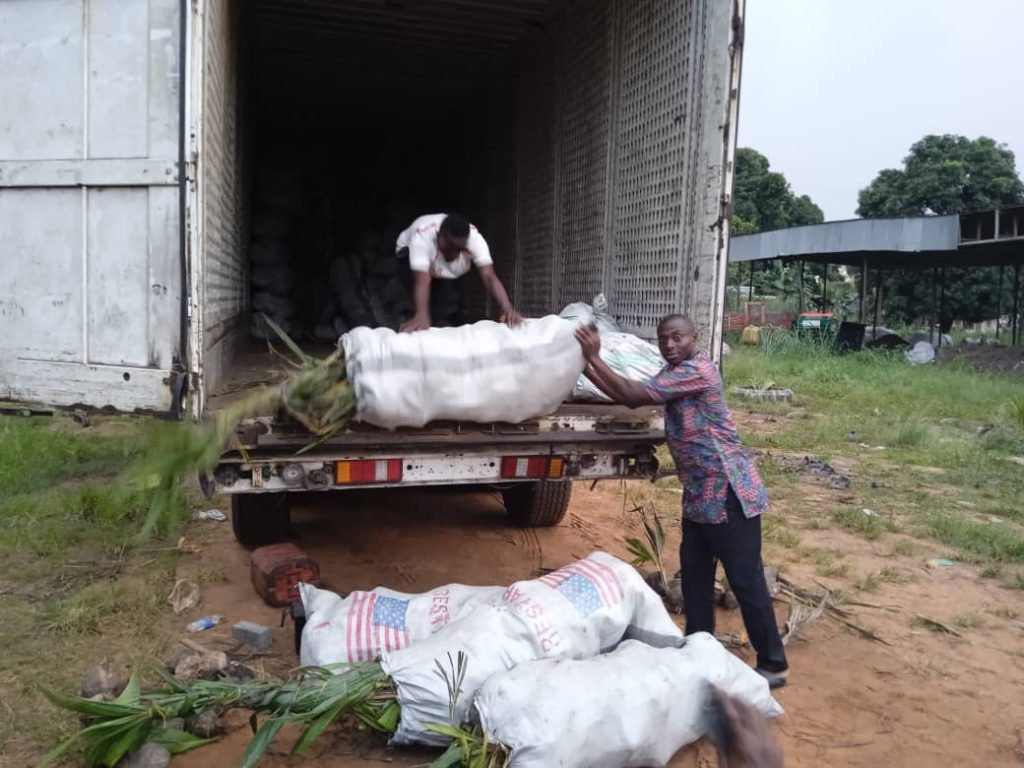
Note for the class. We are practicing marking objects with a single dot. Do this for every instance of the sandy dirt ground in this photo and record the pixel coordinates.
(920, 699)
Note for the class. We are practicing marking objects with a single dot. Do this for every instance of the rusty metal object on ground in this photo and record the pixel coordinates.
(277, 570)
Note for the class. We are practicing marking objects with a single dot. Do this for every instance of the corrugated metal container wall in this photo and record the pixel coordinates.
(90, 288)
(599, 161)
(621, 147)
(223, 269)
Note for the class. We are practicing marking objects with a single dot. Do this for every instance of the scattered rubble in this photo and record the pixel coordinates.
(184, 595)
(195, 665)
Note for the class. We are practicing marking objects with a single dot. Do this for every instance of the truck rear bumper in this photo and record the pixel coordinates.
(394, 467)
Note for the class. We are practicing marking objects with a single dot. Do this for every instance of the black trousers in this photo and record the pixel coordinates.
(737, 544)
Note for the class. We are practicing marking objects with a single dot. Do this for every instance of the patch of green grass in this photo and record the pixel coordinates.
(1016, 410)
(40, 452)
(869, 526)
(775, 533)
(828, 562)
(926, 418)
(994, 542)
(874, 384)
(78, 584)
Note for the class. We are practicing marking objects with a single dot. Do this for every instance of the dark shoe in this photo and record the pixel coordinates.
(775, 679)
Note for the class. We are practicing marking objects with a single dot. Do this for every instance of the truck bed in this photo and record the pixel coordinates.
(257, 365)
(571, 423)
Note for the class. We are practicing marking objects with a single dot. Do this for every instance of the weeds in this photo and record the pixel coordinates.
(870, 526)
(968, 621)
(903, 548)
(775, 533)
(887, 575)
(1016, 409)
(649, 552)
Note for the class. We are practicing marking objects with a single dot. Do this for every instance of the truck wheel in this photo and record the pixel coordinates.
(538, 505)
(260, 518)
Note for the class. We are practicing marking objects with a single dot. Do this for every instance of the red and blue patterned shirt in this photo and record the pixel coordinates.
(703, 441)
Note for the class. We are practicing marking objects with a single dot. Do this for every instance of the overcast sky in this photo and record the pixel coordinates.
(835, 90)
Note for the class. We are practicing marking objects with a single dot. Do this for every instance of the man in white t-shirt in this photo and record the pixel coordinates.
(445, 247)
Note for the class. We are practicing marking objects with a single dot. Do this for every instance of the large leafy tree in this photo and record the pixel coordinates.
(943, 175)
(763, 200)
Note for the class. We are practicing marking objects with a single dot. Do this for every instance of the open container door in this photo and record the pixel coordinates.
(91, 289)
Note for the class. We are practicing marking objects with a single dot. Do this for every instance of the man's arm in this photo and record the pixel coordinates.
(420, 250)
(420, 321)
(618, 388)
(493, 285)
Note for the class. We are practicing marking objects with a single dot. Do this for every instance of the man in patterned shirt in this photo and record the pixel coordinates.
(723, 496)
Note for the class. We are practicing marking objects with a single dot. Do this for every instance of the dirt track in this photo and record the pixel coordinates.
(922, 700)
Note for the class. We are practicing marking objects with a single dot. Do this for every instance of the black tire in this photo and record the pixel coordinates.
(260, 518)
(538, 505)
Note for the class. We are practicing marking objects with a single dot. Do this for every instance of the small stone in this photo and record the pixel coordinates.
(103, 679)
(147, 756)
(205, 725)
(175, 724)
(853, 437)
(258, 636)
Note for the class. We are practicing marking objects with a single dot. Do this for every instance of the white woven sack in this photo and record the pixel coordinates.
(482, 372)
(636, 706)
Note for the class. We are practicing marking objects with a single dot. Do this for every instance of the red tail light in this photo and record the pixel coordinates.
(538, 467)
(368, 471)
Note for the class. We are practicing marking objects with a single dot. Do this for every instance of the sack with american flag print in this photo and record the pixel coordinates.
(576, 612)
(362, 625)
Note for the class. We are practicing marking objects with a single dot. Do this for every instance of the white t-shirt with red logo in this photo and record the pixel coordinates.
(421, 240)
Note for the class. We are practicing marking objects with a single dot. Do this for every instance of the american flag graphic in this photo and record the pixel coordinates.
(375, 623)
(587, 584)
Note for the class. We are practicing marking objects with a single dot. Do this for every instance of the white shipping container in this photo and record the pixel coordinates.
(590, 140)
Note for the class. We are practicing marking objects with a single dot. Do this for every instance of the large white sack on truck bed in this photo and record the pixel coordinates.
(634, 707)
(362, 625)
(482, 372)
(574, 613)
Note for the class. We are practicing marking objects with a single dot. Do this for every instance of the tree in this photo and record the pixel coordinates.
(762, 198)
(943, 175)
(762, 201)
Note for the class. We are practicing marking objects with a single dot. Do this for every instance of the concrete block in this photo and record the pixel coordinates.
(256, 635)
